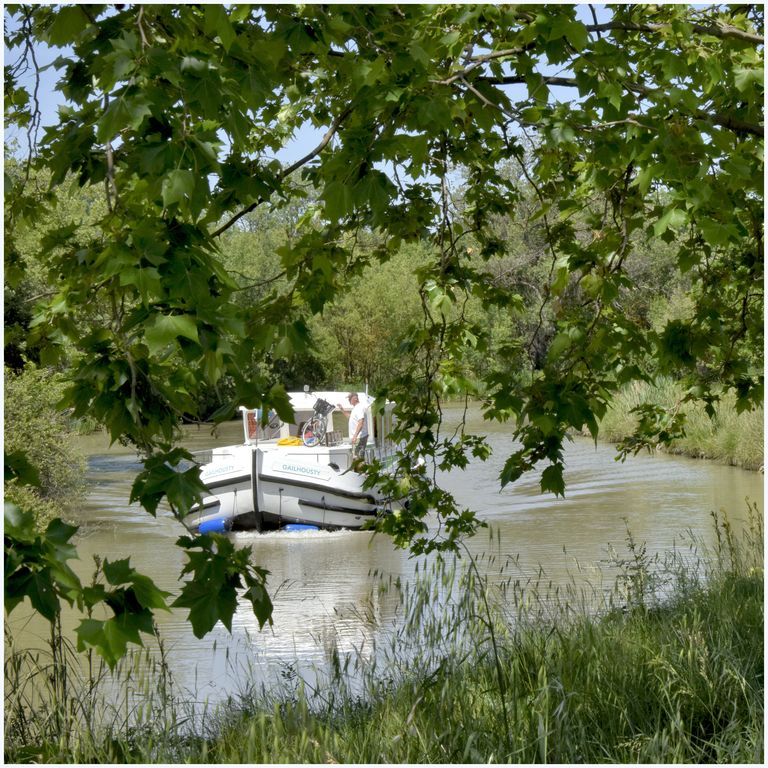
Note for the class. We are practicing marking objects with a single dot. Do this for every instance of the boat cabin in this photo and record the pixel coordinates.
(337, 434)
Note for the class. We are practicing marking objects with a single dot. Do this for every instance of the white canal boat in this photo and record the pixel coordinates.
(281, 476)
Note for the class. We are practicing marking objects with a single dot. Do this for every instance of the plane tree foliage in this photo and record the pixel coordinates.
(621, 123)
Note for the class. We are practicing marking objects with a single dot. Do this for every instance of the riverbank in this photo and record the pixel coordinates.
(665, 667)
(732, 438)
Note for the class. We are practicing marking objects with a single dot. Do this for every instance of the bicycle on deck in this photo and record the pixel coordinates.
(313, 432)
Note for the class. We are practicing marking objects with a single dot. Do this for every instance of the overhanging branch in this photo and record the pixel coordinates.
(724, 121)
(330, 133)
(718, 30)
(715, 30)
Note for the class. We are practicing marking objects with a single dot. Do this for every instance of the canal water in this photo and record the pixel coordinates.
(326, 587)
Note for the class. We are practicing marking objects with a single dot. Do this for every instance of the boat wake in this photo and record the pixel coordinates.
(284, 534)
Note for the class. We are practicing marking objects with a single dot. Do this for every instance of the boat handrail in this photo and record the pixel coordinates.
(206, 456)
(334, 437)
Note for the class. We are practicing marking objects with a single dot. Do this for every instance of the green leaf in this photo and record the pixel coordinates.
(148, 594)
(559, 344)
(161, 480)
(164, 330)
(90, 633)
(123, 112)
(110, 638)
(58, 532)
(39, 587)
(645, 177)
(716, 233)
(177, 186)
(207, 92)
(68, 22)
(339, 201)
(673, 218)
(146, 280)
(261, 603)
(183, 489)
(219, 570)
(209, 601)
(552, 480)
(531, 115)
(747, 78)
(217, 23)
(118, 571)
(419, 54)
(18, 524)
(577, 35)
(18, 466)
(513, 469)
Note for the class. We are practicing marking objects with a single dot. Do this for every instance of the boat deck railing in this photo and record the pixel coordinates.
(206, 456)
(203, 457)
(334, 437)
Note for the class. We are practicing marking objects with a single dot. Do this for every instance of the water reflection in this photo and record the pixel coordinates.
(325, 586)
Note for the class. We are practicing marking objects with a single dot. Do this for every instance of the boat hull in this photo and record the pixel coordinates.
(297, 502)
(254, 488)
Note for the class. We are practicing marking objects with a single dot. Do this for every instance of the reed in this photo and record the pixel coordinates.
(729, 438)
(62, 706)
(651, 659)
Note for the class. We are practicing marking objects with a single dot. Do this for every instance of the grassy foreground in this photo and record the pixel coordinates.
(664, 666)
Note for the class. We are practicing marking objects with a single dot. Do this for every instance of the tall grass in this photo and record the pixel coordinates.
(653, 659)
(729, 438)
(65, 707)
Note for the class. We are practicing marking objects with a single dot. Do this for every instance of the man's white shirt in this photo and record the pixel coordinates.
(358, 412)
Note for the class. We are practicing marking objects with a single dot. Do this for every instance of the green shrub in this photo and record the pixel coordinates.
(34, 426)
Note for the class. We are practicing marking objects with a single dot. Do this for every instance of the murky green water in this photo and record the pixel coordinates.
(325, 584)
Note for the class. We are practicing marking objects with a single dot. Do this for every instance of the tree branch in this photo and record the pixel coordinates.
(724, 121)
(478, 62)
(719, 30)
(731, 123)
(716, 30)
(330, 133)
(566, 82)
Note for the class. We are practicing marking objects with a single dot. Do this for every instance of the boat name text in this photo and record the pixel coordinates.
(218, 470)
(301, 469)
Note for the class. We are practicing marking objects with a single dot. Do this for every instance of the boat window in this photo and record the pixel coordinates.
(253, 428)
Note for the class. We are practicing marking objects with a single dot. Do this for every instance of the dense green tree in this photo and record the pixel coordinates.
(646, 118)
(359, 333)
